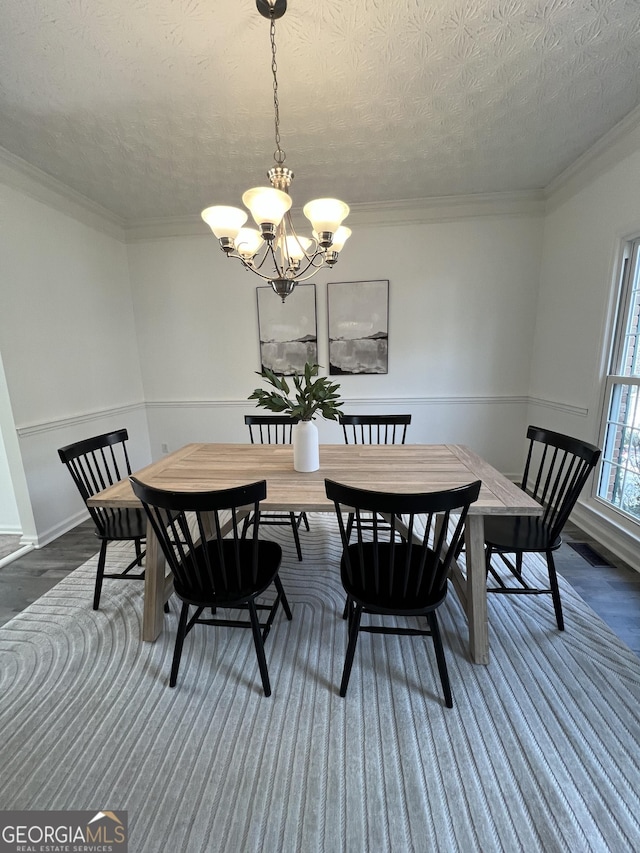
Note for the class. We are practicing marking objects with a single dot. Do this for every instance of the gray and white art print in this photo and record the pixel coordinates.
(288, 330)
(358, 327)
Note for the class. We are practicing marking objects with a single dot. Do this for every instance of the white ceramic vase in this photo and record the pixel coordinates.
(306, 455)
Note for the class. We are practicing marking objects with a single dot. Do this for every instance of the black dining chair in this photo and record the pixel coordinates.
(275, 429)
(94, 464)
(374, 429)
(400, 568)
(556, 469)
(212, 564)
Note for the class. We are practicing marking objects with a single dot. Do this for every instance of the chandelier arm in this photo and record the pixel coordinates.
(256, 270)
(278, 268)
(308, 254)
(303, 277)
(256, 267)
(300, 275)
(261, 262)
(310, 263)
(252, 266)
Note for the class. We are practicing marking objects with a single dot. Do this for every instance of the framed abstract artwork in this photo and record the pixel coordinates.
(287, 330)
(358, 327)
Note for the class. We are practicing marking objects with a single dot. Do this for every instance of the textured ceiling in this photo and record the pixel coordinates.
(158, 108)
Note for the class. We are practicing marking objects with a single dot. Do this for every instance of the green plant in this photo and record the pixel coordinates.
(313, 395)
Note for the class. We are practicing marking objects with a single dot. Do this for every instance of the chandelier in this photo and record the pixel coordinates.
(274, 250)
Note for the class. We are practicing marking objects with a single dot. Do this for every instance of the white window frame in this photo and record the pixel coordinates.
(629, 272)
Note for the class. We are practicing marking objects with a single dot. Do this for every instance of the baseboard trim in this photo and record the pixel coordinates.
(63, 527)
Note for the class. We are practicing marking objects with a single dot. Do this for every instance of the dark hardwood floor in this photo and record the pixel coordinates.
(613, 591)
(30, 576)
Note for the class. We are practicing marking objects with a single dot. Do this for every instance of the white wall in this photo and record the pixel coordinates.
(462, 297)
(9, 517)
(584, 231)
(15, 484)
(68, 344)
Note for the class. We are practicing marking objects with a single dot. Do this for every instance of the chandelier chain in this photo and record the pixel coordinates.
(278, 155)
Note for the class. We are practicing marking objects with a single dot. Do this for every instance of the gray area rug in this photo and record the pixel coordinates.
(540, 751)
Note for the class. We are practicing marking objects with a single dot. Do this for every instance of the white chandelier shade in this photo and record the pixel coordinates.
(340, 238)
(225, 222)
(267, 205)
(326, 215)
(247, 242)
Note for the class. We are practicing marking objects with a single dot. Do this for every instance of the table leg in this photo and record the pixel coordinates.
(476, 589)
(154, 588)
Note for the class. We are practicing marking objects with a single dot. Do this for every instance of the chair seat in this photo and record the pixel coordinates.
(124, 524)
(391, 597)
(240, 586)
(518, 533)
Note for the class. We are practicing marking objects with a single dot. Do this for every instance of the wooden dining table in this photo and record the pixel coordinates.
(389, 468)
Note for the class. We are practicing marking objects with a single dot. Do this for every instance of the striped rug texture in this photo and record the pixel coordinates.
(539, 753)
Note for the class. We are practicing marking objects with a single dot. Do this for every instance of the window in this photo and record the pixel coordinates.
(619, 484)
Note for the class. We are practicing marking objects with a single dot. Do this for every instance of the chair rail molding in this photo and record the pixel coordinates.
(81, 418)
(354, 401)
(461, 399)
(458, 400)
(568, 408)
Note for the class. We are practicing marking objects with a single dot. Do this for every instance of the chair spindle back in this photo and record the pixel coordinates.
(191, 529)
(375, 429)
(556, 469)
(270, 429)
(405, 543)
(95, 464)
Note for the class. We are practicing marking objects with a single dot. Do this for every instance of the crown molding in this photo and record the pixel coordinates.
(619, 142)
(622, 140)
(449, 208)
(402, 212)
(22, 176)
